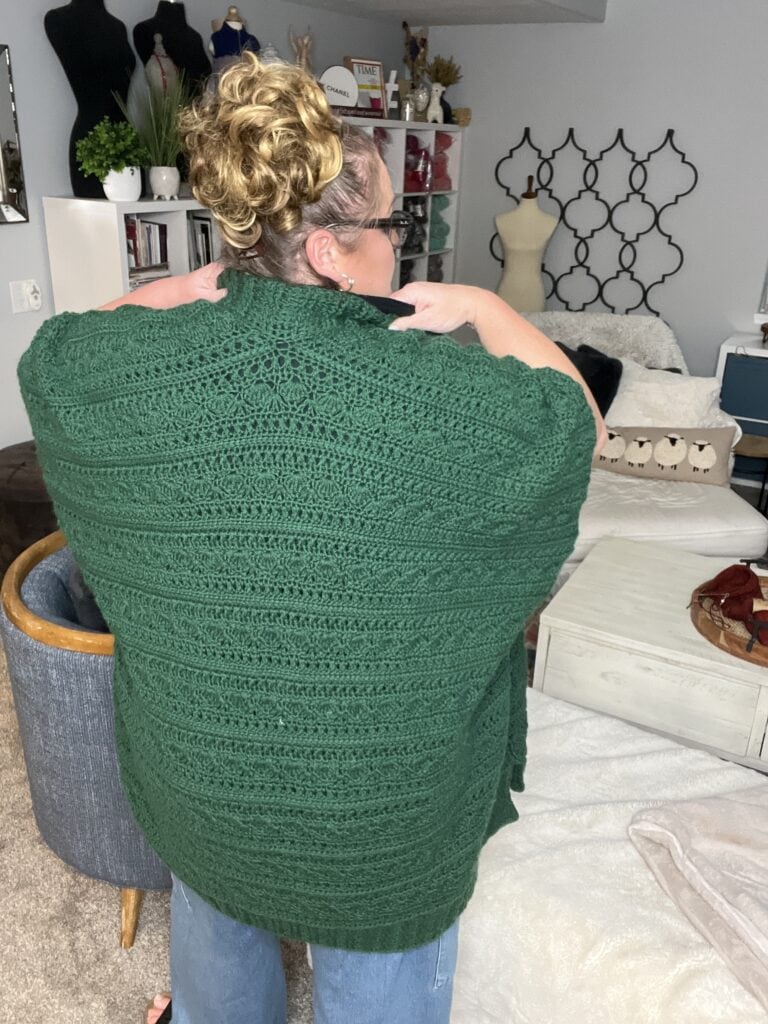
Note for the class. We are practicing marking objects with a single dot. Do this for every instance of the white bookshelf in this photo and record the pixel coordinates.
(88, 244)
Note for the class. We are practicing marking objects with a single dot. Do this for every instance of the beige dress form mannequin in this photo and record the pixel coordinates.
(524, 233)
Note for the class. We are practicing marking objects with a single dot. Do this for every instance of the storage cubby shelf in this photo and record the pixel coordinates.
(99, 249)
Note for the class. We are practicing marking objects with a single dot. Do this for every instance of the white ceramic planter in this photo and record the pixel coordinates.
(123, 186)
(164, 182)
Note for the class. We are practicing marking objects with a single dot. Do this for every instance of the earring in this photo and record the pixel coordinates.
(349, 283)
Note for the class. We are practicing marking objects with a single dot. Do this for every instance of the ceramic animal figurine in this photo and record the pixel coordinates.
(435, 110)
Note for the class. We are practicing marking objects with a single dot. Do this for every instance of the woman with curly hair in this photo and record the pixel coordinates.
(316, 527)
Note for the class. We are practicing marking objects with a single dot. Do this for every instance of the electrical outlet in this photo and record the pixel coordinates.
(26, 296)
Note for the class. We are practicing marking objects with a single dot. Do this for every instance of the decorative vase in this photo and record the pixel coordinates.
(164, 182)
(270, 54)
(123, 186)
(420, 94)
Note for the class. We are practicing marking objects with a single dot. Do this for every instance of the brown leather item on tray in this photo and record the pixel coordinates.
(731, 611)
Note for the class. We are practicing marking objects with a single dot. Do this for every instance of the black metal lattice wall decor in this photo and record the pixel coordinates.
(613, 245)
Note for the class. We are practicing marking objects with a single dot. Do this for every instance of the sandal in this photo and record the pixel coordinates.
(165, 1014)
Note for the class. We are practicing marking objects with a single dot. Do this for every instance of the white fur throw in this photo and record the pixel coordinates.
(646, 339)
(711, 857)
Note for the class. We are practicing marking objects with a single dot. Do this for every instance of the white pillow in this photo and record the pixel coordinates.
(658, 398)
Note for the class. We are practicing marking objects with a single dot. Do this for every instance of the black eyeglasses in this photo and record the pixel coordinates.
(396, 227)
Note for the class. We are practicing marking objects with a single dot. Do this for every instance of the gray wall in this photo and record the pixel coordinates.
(47, 109)
(697, 66)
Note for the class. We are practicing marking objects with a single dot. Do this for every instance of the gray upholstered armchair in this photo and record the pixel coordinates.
(61, 677)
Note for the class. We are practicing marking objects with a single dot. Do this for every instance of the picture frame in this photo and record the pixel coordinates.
(372, 96)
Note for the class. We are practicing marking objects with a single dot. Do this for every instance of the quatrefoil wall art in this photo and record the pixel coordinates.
(613, 245)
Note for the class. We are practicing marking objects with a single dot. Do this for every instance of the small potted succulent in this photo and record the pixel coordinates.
(112, 152)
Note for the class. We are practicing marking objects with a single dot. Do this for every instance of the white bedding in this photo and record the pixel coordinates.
(567, 924)
(694, 517)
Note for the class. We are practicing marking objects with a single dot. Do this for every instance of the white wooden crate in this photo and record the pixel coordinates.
(618, 638)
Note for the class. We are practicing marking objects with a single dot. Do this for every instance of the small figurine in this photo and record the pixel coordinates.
(301, 47)
(447, 72)
(392, 88)
(435, 110)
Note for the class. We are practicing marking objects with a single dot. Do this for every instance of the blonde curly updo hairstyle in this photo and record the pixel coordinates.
(272, 163)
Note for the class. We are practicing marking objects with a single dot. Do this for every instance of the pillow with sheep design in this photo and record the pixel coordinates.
(686, 454)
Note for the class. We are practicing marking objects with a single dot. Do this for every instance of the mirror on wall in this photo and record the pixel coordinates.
(13, 198)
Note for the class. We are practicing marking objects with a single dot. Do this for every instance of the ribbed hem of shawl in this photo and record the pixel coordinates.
(375, 938)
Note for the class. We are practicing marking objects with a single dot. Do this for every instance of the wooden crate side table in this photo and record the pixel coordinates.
(618, 638)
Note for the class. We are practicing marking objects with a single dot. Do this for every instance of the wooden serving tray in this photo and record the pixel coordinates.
(729, 635)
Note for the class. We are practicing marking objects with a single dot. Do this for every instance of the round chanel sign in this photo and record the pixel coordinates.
(340, 86)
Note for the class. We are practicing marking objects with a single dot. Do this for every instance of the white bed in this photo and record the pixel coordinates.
(663, 511)
(696, 517)
(567, 924)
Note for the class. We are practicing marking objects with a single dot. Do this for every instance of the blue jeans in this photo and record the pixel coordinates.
(225, 972)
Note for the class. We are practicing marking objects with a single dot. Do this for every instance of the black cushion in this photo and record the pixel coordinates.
(601, 373)
(86, 611)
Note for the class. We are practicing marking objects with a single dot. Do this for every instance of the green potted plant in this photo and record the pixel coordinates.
(112, 152)
(156, 120)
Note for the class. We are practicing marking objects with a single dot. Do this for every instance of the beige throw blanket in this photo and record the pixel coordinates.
(711, 857)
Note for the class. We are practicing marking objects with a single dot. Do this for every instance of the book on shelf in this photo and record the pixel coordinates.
(131, 241)
(146, 241)
(200, 240)
(140, 277)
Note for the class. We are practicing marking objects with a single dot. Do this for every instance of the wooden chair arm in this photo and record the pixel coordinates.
(33, 625)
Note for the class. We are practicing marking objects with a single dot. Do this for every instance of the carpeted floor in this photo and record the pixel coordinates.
(61, 958)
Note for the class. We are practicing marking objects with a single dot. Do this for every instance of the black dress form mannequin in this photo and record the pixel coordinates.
(97, 58)
(182, 44)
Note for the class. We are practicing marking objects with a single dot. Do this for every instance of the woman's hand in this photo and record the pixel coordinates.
(202, 284)
(439, 307)
(168, 292)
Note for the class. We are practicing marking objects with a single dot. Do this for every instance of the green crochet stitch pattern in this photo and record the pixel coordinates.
(317, 542)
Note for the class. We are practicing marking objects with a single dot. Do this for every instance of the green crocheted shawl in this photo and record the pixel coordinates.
(316, 542)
